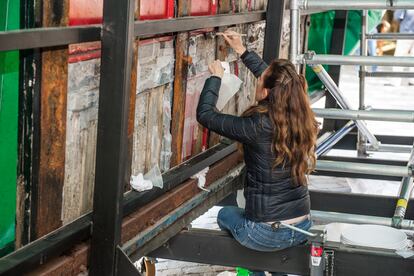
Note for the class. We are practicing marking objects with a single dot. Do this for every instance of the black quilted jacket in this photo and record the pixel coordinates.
(270, 195)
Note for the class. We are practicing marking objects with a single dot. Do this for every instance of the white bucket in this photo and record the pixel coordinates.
(377, 236)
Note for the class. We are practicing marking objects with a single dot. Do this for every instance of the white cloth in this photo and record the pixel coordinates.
(140, 184)
(201, 177)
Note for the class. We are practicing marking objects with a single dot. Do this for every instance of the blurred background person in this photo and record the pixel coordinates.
(404, 47)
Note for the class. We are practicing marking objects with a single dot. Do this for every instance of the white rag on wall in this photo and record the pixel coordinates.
(201, 177)
(140, 184)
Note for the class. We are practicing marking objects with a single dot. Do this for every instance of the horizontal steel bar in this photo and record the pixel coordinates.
(389, 74)
(357, 219)
(356, 4)
(353, 203)
(356, 60)
(189, 23)
(178, 175)
(59, 36)
(390, 36)
(370, 115)
(391, 148)
(349, 141)
(220, 248)
(362, 168)
(65, 237)
(48, 37)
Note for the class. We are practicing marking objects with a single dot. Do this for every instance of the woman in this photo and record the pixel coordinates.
(278, 137)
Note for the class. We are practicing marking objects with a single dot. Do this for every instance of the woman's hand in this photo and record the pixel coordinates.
(216, 69)
(234, 40)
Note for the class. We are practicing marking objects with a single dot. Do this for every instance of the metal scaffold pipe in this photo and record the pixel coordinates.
(406, 190)
(329, 142)
(356, 4)
(310, 58)
(390, 148)
(390, 36)
(363, 168)
(294, 31)
(322, 216)
(342, 101)
(370, 115)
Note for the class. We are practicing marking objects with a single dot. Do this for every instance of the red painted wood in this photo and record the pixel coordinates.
(85, 12)
(203, 7)
(150, 9)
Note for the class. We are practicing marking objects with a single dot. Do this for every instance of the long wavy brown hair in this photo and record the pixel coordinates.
(295, 126)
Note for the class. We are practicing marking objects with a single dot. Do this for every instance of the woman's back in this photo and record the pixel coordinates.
(270, 193)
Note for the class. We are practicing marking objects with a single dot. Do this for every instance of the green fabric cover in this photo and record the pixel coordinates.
(320, 33)
(9, 91)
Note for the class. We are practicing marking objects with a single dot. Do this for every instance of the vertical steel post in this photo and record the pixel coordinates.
(112, 140)
(362, 141)
(274, 30)
(294, 32)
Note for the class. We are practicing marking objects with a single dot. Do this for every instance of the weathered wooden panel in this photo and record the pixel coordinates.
(48, 196)
(202, 53)
(140, 133)
(82, 119)
(155, 127)
(155, 63)
(76, 260)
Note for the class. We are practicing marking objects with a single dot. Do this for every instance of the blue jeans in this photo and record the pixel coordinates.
(259, 236)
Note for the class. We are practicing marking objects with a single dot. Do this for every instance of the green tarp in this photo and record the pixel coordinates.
(9, 91)
(320, 33)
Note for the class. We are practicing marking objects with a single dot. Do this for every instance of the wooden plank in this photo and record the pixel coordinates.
(81, 125)
(75, 261)
(180, 82)
(132, 106)
(140, 133)
(155, 127)
(48, 198)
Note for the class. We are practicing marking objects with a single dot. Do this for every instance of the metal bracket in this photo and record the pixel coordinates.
(124, 266)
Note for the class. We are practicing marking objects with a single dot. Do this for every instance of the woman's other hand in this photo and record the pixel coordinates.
(216, 69)
(234, 40)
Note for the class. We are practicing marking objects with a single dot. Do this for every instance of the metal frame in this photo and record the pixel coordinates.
(51, 37)
(118, 30)
(190, 246)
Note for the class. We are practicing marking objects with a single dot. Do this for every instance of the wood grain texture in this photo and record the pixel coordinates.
(155, 127)
(140, 133)
(180, 83)
(75, 261)
(82, 120)
(48, 198)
